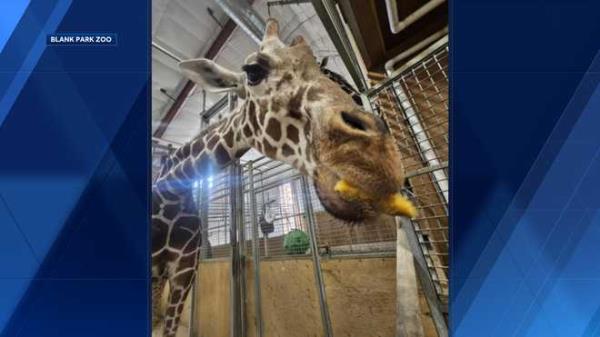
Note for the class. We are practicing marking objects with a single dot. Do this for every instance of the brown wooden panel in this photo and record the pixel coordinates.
(362, 297)
(213, 298)
(361, 293)
(290, 305)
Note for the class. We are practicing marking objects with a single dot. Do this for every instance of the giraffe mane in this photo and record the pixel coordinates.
(345, 85)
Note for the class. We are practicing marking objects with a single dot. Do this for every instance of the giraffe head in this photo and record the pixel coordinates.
(297, 114)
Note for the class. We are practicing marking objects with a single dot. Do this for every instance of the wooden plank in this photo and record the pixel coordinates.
(361, 293)
(290, 304)
(408, 320)
(213, 298)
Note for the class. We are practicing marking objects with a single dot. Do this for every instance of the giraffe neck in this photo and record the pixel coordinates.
(212, 149)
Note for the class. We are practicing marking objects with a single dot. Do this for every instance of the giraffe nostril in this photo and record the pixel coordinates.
(353, 121)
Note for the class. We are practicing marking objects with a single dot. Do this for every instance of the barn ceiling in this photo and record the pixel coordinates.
(185, 28)
(368, 22)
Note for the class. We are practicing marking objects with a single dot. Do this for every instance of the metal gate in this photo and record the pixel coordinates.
(414, 103)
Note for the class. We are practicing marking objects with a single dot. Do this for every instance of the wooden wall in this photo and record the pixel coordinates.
(360, 293)
(213, 298)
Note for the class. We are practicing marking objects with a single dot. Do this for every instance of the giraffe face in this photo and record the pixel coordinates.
(296, 114)
(337, 140)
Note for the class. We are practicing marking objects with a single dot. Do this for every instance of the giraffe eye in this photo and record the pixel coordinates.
(255, 72)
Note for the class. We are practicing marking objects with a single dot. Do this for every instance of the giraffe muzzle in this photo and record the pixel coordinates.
(394, 204)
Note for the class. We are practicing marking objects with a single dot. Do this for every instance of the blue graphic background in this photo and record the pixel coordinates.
(525, 168)
(12, 11)
(74, 172)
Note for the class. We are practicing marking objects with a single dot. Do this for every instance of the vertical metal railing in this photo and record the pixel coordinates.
(314, 248)
(237, 265)
(255, 252)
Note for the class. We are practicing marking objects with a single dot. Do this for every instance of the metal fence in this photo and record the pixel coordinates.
(414, 103)
(280, 209)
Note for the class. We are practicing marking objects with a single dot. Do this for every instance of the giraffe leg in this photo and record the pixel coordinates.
(179, 287)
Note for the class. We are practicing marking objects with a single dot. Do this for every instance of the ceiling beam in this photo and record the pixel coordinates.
(212, 52)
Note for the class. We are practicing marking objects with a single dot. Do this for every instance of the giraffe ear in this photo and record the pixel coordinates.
(211, 76)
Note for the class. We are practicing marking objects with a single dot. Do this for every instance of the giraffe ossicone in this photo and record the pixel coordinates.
(292, 111)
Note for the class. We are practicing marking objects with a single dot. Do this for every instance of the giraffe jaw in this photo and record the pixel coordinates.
(395, 204)
(346, 201)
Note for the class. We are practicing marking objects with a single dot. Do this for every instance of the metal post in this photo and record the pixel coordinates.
(203, 254)
(262, 197)
(255, 254)
(316, 258)
(193, 332)
(327, 12)
(366, 102)
(408, 319)
(236, 215)
(420, 265)
(245, 16)
(238, 284)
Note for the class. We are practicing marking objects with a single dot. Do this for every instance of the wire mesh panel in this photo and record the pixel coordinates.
(414, 104)
(281, 209)
(215, 209)
(337, 237)
(278, 207)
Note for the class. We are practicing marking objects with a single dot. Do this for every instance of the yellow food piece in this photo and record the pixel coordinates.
(395, 204)
(348, 191)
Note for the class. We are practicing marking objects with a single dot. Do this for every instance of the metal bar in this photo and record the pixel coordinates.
(328, 332)
(193, 331)
(286, 2)
(389, 65)
(215, 108)
(166, 51)
(242, 251)
(204, 197)
(255, 255)
(245, 16)
(335, 28)
(408, 320)
(366, 103)
(236, 322)
(428, 169)
(435, 305)
(441, 43)
(204, 254)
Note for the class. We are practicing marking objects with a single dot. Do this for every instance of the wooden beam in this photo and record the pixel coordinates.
(212, 52)
(408, 319)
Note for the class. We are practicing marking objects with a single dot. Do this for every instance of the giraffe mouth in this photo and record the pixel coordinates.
(392, 204)
(346, 201)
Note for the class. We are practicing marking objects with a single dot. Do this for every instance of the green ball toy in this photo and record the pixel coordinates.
(296, 242)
